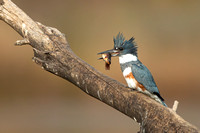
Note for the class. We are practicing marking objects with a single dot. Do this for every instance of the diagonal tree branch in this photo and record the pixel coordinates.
(53, 53)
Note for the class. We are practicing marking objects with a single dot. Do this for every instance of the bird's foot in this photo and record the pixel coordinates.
(131, 89)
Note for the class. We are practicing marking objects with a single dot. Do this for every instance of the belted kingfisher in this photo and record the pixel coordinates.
(135, 73)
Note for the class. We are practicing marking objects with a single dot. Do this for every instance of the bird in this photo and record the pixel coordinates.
(136, 74)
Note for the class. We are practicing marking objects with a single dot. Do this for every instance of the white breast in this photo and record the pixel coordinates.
(127, 58)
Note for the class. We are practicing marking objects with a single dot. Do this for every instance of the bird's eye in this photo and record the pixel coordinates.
(120, 48)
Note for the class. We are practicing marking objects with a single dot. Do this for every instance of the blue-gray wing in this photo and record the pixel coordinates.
(144, 77)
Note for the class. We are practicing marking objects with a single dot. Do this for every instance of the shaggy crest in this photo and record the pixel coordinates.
(128, 45)
(119, 40)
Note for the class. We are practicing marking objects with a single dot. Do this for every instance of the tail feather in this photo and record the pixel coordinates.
(161, 99)
(164, 103)
(156, 96)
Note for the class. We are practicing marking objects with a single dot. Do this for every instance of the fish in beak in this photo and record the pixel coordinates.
(106, 56)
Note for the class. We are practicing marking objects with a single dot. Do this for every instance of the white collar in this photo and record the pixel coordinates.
(127, 58)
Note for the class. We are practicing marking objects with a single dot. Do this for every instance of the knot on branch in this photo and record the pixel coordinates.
(54, 35)
(46, 60)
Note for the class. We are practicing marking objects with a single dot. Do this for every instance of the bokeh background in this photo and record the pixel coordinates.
(167, 33)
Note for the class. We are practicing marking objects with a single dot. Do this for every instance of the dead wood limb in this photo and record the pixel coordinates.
(53, 53)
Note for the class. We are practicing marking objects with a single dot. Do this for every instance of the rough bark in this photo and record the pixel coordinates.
(53, 53)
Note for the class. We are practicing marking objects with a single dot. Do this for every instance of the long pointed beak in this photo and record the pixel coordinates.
(113, 52)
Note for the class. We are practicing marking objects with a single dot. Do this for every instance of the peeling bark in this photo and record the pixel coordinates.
(53, 53)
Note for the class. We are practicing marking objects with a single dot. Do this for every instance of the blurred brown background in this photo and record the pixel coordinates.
(168, 35)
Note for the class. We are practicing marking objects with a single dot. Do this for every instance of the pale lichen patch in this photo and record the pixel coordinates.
(86, 90)
(99, 95)
(134, 119)
(24, 30)
(72, 75)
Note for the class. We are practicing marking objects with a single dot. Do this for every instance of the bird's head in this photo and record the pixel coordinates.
(122, 46)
